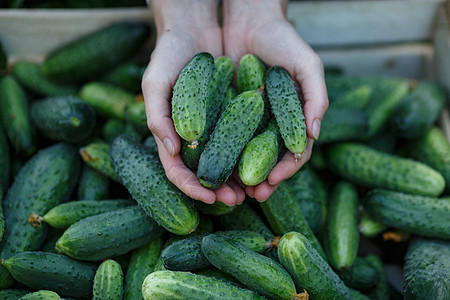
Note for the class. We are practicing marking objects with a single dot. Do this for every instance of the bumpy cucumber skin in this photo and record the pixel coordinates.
(109, 234)
(215, 209)
(251, 73)
(190, 95)
(59, 273)
(229, 96)
(164, 285)
(95, 53)
(108, 281)
(4, 164)
(234, 129)
(218, 274)
(41, 295)
(97, 156)
(417, 112)
(127, 75)
(343, 125)
(66, 214)
(254, 270)
(284, 214)
(425, 216)
(12, 294)
(369, 227)
(381, 290)
(15, 118)
(287, 109)
(426, 270)
(29, 74)
(308, 269)
(144, 177)
(361, 275)
(373, 168)
(341, 236)
(92, 185)
(142, 263)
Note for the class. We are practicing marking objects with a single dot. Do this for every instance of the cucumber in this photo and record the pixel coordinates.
(59, 273)
(384, 141)
(308, 269)
(97, 156)
(30, 75)
(370, 228)
(341, 235)
(92, 185)
(287, 110)
(15, 118)
(284, 215)
(216, 273)
(4, 164)
(66, 214)
(151, 146)
(41, 295)
(357, 295)
(107, 100)
(50, 242)
(381, 290)
(127, 75)
(237, 124)
(251, 73)
(189, 98)
(426, 216)
(144, 177)
(136, 116)
(164, 285)
(93, 54)
(361, 275)
(112, 128)
(12, 294)
(373, 168)
(3, 58)
(108, 281)
(6, 280)
(229, 96)
(259, 273)
(63, 118)
(426, 270)
(355, 98)
(142, 263)
(215, 209)
(418, 111)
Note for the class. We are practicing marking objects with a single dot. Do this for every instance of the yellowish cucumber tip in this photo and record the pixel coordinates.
(193, 145)
(205, 183)
(302, 296)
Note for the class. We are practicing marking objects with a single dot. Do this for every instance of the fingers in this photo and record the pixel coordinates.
(262, 191)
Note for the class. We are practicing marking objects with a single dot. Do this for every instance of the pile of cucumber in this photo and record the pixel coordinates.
(88, 213)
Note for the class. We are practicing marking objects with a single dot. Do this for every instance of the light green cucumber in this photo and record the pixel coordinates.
(229, 96)
(135, 115)
(215, 209)
(41, 295)
(251, 73)
(92, 185)
(369, 227)
(355, 98)
(108, 281)
(97, 156)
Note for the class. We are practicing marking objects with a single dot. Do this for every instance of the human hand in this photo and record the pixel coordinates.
(259, 27)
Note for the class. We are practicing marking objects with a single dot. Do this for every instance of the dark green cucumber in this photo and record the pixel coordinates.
(215, 209)
(142, 263)
(3, 58)
(369, 227)
(426, 216)
(361, 275)
(284, 215)
(418, 111)
(426, 270)
(15, 118)
(30, 75)
(50, 242)
(107, 100)
(136, 116)
(357, 295)
(229, 96)
(234, 129)
(164, 285)
(109, 234)
(93, 54)
(12, 294)
(251, 73)
(381, 289)
(63, 118)
(112, 128)
(189, 98)
(287, 109)
(308, 269)
(97, 156)
(59, 273)
(108, 281)
(127, 76)
(144, 177)
(66, 214)
(41, 295)
(373, 168)
(355, 98)
(340, 124)
(4, 164)
(92, 185)
(341, 235)
(218, 274)
(384, 141)
(254, 270)
(6, 280)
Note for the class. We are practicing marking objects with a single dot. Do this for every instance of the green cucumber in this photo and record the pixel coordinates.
(361, 275)
(59, 273)
(4, 164)
(66, 214)
(144, 177)
(12, 294)
(92, 185)
(63, 118)
(381, 289)
(287, 110)
(142, 263)
(254, 270)
(50, 242)
(308, 269)
(355, 98)
(216, 273)
(215, 209)
(30, 75)
(108, 234)
(189, 98)
(112, 128)
(341, 236)
(136, 116)
(343, 125)
(234, 129)
(357, 295)
(421, 215)
(93, 54)
(369, 227)
(41, 295)
(97, 156)
(251, 73)
(108, 281)
(15, 118)
(384, 141)
(6, 280)
(162, 285)
(284, 214)
(229, 96)
(373, 168)
(418, 111)
(426, 270)
(127, 75)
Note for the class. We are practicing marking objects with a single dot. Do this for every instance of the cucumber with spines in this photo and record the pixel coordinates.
(41, 295)
(229, 96)
(92, 185)
(12, 294)
(251, 73)
(108, 281)
(97, 156)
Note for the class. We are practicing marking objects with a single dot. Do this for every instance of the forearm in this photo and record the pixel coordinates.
(249, 10)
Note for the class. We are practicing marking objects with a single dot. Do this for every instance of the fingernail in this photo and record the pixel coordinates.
(316, 129)
(169, 146)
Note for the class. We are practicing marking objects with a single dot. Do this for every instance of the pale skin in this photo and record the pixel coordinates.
(186, 28)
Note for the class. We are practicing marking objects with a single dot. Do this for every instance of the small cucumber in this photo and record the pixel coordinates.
(287, 109)
(259, 273)
(251, 73)
(112, 128)
(92, 185)
(234, 129)
(136, 116)
(355, 98)
(12, 294)
(127, 75)
(229, 96)
(369, 227)
(426, 216)
(381, 289)
(361, 275)
(215, 209)
(108, 281)
(97, 156)
(308, 269)
(4, 164)
(41, 295)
